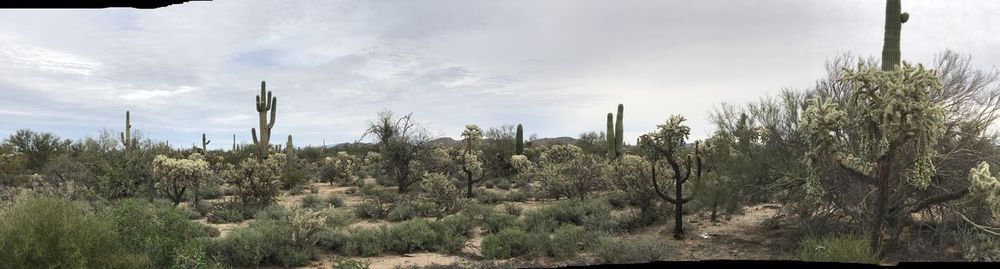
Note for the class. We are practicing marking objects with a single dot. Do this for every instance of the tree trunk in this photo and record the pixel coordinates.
(679, 208)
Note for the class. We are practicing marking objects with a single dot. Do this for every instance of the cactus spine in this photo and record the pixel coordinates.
(894, 19)
(611, 136)
(619, 133)
(519, 149)
(128, 141)
(265, 103)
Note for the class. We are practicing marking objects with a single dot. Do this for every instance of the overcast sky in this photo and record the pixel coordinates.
(558, 67)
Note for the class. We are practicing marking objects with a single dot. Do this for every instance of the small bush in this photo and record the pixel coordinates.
(263, 242)
(351, 264)
(371, 208)
(226, 215)
(335, 201)
(846, 249)
(202, 207)
(499, 221)
(567, 241)
(210, 191)
(490, 197)
(619, 250)
(365, 242)
(514, 242)
(156, 230)
(296, 190)
(518, 196)
(332, 239)
(46, 232)
(273, 212)
(476, 211)
(513, 210)
(459, 224)
(402, 210)
(312, 201)
(313, 189)
(411, 235)
(193, 254)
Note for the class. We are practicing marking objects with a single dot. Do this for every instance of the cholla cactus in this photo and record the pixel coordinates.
(631, 176)
(257, 181)
(177, 175)
(896, 125)
(342, 166)
(472, 167)
(520, 163)
(664, 144)
(985, 186)
(307, 224)
(438, 188)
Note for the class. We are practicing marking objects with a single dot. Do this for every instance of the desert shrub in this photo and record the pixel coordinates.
(228, 191)
(339, 218)
(190, 213)
(263, 242)
(273, 212)
(297, 189)
(477, 212)
(202, 207)
(313, 189)
(513, 210)
(403, 209)
(193, 254)
(567, 240)
(631, 219)
(156, 230)
(347, 263)
(490, 197)
(210, 190)
(332, 239)
(832, 248)
(48, 232)
(506, 243)
(311, 201)
(503, 184)
(620, 250)
(335, 201)
(226, 214)
(365, 242)
(980, 247)
(517, 196)
(594, 214)
(458, 224)
(411, 235)
(442, 192)
(296, 173)
(499, 221)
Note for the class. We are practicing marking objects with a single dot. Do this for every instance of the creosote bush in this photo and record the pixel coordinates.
(845, 249)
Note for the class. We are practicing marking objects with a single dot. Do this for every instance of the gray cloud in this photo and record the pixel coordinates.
(556, 66)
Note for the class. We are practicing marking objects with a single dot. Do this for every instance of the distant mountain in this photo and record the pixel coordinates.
(565, 140)
(446, 141)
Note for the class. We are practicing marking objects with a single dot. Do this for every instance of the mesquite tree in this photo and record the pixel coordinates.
(470, 163)
(665, 144)
(177, 175)
(400, 142)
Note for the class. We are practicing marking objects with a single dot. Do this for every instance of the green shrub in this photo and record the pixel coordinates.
(567, 241)
(518, 196)
(190, 213)
(594, 214)
(499, 221)
(297, 189)
(226, 215)
(263, 242)
(490, 197)
(513, 242)
(312, 201)
(156, 230)
(402, 210)
(415, 234)
(273, 212)
(346, 263)
(620, 250)
(980, 246)
(365, 242)
(458, 224)
(370, 208)
(202, 207)
(210, 191)
(477, 212)
(513, 210)
(313, 189)
(47, 232)
(193, 254)
(846, 249)
(332, 239)
(335, 201)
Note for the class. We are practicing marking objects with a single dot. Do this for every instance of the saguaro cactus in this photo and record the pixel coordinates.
(611, 136)
(128, 141)
(663, 144)
(289, 147)
(894, 19)
(234, 142)
(264, 103)
(519, 148)
(204, 144)
(619, 132)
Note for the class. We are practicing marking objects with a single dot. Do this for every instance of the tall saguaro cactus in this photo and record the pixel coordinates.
(265, 103)
(519, 148)
(128, 141)
(611, 136)
(204, 144)
(619, 133)
(663, 144)
(894, 19)
(289, 147)
(234, 142)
